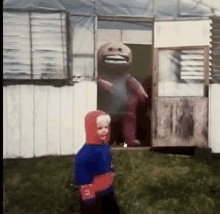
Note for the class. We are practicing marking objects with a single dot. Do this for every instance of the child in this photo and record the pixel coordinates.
(93, 167)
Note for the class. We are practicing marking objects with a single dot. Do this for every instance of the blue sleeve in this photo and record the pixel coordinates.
(82, 175)
(84, 172)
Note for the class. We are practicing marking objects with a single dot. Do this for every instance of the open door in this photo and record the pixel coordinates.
(180, 82)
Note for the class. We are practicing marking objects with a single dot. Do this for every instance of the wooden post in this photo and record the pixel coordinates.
(206, 82)
(68, 47)
(154, 93)
(31, 53)
(155, 8)
(206, 71)
(178, 8)
(61, 30)
(95, 75)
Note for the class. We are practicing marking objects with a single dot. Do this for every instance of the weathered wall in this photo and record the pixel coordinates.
(181, 122)
(45, 120)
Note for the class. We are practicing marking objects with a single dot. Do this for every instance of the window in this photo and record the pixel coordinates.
(83, 47)
(34, 45)
(181, 72)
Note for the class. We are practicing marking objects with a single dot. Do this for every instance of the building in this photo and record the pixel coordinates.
(50, 70)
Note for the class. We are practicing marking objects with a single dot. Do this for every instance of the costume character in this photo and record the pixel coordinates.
(119, 92)
(94, 171)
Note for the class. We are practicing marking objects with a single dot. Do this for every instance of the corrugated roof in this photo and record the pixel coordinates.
(121, 7)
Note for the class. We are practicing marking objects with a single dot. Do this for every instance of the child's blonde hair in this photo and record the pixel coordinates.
(105, 117)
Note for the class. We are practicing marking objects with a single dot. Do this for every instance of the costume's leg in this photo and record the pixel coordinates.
(129, 127)
(129, 124)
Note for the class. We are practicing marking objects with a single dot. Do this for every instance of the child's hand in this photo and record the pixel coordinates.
(87, 192)
(103, 182)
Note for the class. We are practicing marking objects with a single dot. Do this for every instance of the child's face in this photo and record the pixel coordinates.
(102, 129)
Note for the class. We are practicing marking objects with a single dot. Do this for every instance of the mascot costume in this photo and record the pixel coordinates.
(119, 92)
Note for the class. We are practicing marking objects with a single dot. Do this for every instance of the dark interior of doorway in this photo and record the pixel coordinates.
(142, 70)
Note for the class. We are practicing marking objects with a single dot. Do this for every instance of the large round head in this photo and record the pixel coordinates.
(114, 57)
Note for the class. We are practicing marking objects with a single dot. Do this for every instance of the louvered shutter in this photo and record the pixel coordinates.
(34, 46)
(192, 65)
(16, 46)
(83, 47)
(49, 45)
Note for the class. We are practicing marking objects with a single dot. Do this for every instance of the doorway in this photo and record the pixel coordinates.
(142, 70)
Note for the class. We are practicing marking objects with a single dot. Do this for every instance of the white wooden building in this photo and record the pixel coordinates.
(50, 70)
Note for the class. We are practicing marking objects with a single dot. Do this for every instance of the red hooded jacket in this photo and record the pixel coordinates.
(92, 176)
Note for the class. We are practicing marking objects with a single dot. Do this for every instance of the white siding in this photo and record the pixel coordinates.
(27, 119)
(67, 117)
(5, 119)
(214, 118)
(46, 120)
(91, 94)
(14, 121)
(53, 117)
(79, 108)
(40, 120)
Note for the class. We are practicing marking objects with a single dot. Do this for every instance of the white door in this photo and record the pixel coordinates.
(180, 82)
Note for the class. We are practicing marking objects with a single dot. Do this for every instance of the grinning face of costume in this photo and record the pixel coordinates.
(114, 57)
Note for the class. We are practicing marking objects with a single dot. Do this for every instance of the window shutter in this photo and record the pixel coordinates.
(83, 46)
(192, 65)
(49, 45)
(16, 46)
(34, 45)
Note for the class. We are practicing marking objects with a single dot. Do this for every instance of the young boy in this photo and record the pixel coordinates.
(93, 167)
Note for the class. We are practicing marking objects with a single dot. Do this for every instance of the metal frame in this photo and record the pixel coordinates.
(139, 20)
(34, 10)
(95, 74)
(31, 46)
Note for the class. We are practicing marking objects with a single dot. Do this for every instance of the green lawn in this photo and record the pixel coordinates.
(144, 183)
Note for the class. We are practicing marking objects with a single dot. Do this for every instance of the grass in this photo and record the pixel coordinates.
(144, 183)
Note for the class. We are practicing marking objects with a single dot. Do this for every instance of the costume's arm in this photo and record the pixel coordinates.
(105, 85)
(137, 88)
